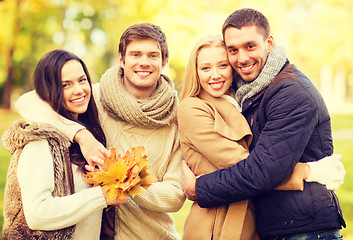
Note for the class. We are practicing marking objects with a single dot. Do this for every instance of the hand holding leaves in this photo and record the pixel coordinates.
(121, 176)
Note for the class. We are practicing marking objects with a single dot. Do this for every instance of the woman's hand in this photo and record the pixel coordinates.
(92, 150)
(113, 201)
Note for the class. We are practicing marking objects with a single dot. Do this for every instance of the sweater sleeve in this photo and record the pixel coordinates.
(166, 195)
(291, 118)
(42, 210)
(31, 107)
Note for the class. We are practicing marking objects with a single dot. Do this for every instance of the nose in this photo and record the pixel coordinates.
(78, 88)
(242, 57)
(144, 61)
(215, 75)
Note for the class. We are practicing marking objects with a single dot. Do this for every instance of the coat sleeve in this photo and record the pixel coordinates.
(205, 142)
(31, 107)
(36, 179)
(291, 115)
(206, 146)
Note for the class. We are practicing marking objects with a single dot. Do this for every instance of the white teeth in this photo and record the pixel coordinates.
(246, 68)
(143, 74)
(217, 85)
(78, 100)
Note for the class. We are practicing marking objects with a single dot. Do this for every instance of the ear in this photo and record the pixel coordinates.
(164, 65)
(122, 64)
(270, 43)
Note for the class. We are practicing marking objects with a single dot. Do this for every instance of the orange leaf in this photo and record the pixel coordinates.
(121, 176)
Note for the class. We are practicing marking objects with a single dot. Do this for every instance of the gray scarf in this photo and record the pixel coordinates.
(274, 63)
(156, 111)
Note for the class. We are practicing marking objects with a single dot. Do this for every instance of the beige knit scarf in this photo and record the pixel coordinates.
(156, 111)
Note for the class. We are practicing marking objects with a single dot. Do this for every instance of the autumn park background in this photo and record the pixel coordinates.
(317, 34)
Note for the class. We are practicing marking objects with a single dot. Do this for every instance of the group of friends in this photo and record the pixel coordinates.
(249, 142)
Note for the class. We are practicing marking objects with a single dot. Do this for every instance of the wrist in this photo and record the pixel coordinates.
(307, 172)
(80, 135)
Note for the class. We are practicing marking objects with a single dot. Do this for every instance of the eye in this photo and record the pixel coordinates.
(154, 56)
(135, 55)
(83, 80)
(251, 46)
(205, 68)
(232, 51)
(224, 65)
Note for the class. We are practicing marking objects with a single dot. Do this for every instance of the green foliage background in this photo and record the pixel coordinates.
(316, 33)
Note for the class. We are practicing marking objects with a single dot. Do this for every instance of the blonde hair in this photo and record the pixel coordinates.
(191, 84)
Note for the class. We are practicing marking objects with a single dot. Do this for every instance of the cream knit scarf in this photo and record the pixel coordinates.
(274, 63)
(156, 111)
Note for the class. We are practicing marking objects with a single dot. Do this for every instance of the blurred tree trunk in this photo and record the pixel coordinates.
(10, 63)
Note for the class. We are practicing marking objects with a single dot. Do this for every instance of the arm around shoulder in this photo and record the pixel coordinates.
(31, 107)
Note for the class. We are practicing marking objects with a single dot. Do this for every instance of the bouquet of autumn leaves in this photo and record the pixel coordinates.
(120, 176)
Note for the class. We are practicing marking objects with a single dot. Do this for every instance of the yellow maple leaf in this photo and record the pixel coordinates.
(121, 176)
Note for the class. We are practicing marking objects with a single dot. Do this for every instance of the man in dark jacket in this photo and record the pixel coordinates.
(290, 124)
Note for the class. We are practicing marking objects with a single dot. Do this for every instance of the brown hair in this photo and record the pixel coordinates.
(48, 85)
(247, 17)
(144, 31)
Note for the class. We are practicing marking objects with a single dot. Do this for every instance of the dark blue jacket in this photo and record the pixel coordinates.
(290, 124)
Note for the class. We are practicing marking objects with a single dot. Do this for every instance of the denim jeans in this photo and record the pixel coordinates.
(322, 235)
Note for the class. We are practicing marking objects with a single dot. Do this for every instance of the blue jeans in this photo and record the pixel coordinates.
(322, 235)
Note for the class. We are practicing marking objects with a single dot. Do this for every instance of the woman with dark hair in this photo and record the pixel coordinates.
(45, 195)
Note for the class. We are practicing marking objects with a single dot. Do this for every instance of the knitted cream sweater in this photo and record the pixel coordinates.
(146, 216)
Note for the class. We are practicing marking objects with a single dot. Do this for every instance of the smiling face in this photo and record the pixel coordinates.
(214, 70)
(142, 67)
(76, 88)
(247, 50)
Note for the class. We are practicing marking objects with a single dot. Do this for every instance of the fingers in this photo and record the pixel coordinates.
(97, 160)
(336, 156)
(188, 181)
(89, 168)
(105, 152)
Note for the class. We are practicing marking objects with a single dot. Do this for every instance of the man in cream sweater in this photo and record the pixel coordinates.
(137, 106)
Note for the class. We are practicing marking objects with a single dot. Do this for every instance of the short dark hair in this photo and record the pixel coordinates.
(48, 85)
(247, 17)
(144, 31)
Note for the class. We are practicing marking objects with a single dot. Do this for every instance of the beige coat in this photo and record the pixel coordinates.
(214, 135)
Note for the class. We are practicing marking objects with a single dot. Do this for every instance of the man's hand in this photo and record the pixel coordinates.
(93, 151)
(189, 181)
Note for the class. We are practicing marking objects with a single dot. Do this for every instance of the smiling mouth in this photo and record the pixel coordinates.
(143, 74)
(78, 100)
(216, 85)
(247, 68)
